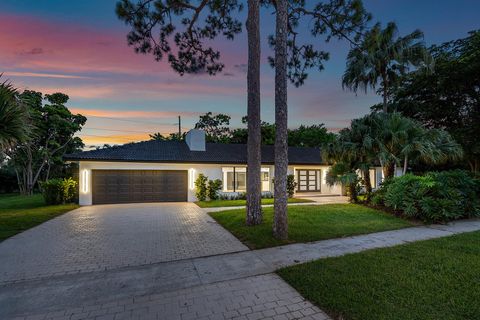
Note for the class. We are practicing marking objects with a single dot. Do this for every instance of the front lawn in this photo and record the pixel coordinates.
(19, 213)
(238, 203)
(433, 279)
(310, 223)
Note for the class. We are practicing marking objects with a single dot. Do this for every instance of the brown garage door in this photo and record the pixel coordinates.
(128, 186)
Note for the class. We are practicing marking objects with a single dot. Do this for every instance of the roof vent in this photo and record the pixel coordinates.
(195, 140)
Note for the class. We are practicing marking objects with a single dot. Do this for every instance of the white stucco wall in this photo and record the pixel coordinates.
(212, 171)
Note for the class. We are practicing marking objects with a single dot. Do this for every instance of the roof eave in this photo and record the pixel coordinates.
(184, 161)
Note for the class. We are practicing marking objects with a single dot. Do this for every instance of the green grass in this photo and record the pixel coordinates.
(238, 203)
(433, 279)
(310, 223)
(19, 213)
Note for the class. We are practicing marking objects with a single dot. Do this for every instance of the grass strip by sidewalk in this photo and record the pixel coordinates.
(310, 223)
(432, 279)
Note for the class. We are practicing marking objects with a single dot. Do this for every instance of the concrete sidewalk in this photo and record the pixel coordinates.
(316, 200)
(78, 294)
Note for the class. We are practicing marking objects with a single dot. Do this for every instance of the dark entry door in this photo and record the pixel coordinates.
(130, 186)
(308, 180)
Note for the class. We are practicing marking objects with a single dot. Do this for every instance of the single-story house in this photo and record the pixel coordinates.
(157, 171)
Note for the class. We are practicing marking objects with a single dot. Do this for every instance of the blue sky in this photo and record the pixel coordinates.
(79, 48)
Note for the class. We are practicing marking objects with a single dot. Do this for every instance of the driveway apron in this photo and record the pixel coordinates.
(106, 237)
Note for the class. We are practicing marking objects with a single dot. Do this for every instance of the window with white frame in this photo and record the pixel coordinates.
(235, 179)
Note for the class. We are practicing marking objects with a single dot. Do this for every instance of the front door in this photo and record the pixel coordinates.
(308, 180)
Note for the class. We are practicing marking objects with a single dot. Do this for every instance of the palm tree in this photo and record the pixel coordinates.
(353, 150)
(400, 139)
(343, 171)
(391, 133)
(13, 117)
(381, 58)
(360, 147)
(431, 146)
(345, 174)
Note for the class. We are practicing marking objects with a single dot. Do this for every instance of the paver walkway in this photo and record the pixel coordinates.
(106, 237)
(259, 297)
(181, 282)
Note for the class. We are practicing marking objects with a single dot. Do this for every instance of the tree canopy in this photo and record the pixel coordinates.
(217, 128)
(389, 139)
(448, 97)
(52, 134)
(155, 30)
(382, 57)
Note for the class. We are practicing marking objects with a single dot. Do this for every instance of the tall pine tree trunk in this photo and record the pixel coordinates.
(280, 222)
(254, 191)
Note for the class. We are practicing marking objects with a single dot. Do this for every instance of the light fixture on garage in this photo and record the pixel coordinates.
(191, 178)
(85, 181)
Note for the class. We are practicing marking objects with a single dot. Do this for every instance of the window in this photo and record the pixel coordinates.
(235, 179)
(264, 176)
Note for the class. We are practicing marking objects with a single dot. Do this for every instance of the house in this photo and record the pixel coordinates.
(157, 171)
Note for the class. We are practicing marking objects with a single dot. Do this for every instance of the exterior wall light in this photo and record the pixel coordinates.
(191, 179)
(85, 181)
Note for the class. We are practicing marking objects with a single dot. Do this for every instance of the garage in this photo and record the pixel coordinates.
(136, 186)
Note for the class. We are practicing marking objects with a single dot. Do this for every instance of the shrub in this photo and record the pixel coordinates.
(267, 195)
(241, 196)
(436, 196)
(214, 186)
(201, 187)
(378, 197)
(58, 191)
(291, 185)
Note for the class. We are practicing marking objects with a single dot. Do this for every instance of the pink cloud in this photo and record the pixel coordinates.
(42, 75)
(85, 92)
(131, 113)
(144, 89)
(35, 44)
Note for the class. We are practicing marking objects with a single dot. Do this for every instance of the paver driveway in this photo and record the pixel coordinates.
(105, 237)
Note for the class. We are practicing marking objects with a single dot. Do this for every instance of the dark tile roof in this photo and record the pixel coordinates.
(176, 151)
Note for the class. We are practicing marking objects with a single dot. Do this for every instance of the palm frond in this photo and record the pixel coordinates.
(13, 117)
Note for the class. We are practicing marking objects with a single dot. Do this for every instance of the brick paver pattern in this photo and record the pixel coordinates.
(106, 237)
(204, 284)
(259, 297)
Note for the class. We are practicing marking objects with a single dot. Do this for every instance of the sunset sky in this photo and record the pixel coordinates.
(79, 48)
